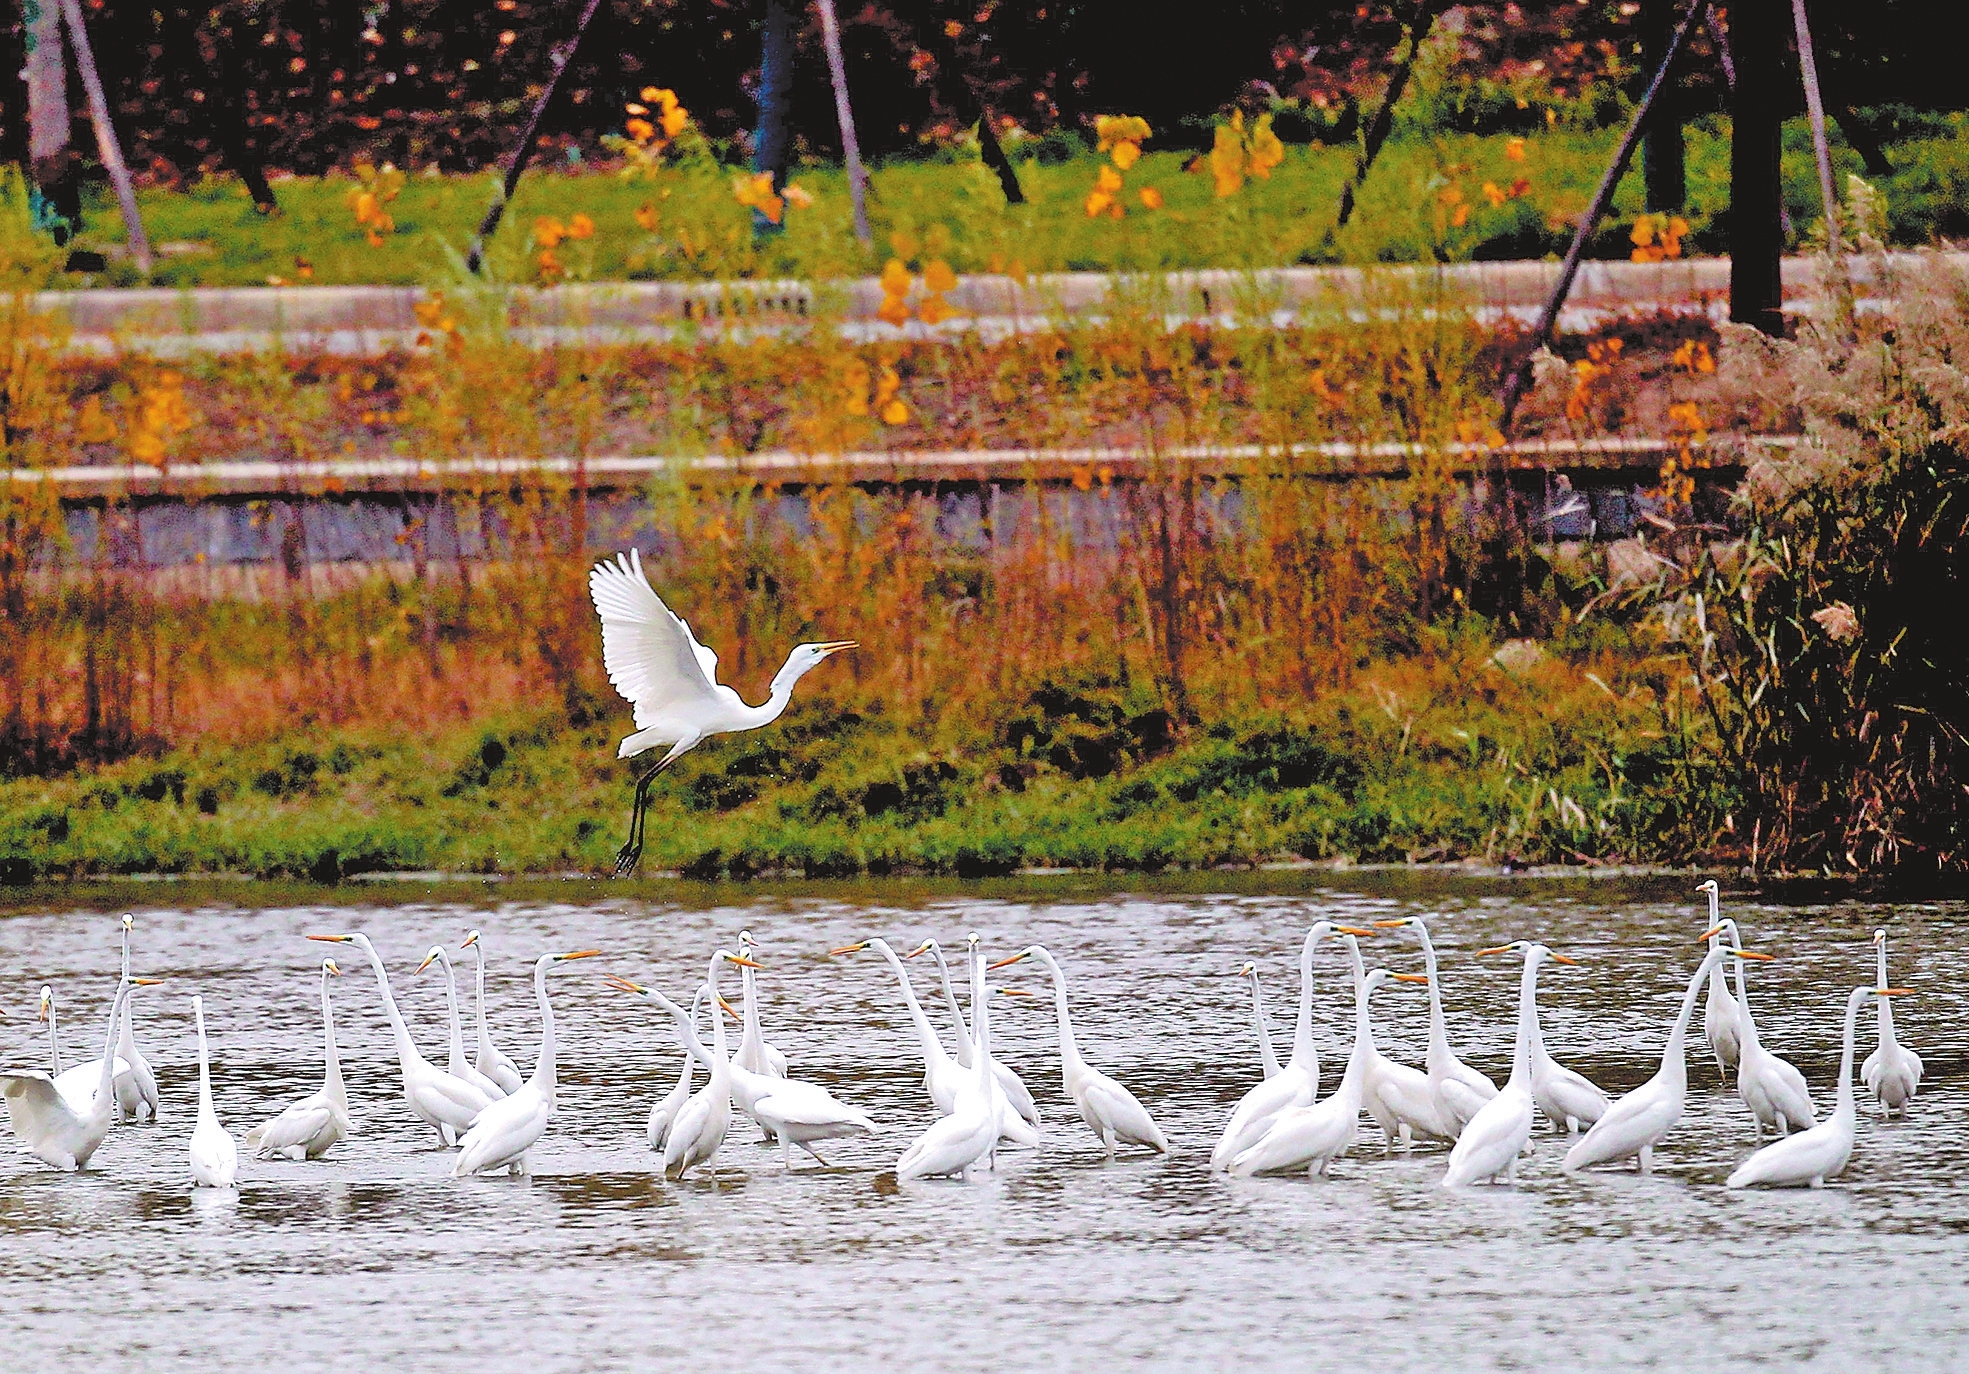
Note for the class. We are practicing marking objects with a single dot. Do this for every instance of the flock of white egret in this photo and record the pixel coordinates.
(483, 1107)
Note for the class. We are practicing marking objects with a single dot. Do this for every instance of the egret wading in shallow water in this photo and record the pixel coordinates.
(1267, 1056)
(699, 1127)
(1397, 1096)
(1639, 1121)
(1720, 1015)
(1459, 1090)
(490, 1061)
(663, 1113)
(458, 1066)
(500, 1136)
(136, 1085)
(1023, 1126)
(1812, 1156)
(1568, 1100)
(1771, 1087)
(1493, 1139)
(311, 1127)
(1111, 1112)
(754, 1054)
(956, 1142)
(943, 1077)
(214, 1156)
(58, 1128)
(1892, 1073)
(75, 1082)
(442, 1102)
(671, 680)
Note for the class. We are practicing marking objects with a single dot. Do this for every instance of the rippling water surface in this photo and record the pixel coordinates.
(375, 1258)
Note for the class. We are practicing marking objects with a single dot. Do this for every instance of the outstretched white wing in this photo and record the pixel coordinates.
(652, 658)
(33, 1103)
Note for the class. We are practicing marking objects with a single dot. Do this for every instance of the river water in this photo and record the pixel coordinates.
(376, 1259)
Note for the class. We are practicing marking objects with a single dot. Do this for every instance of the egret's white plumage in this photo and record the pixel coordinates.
(1267, 1056)
(970, 1132)
(457, 1065)
(441, 1101)
(1892, 1073)
(136, 1085)
(1810, 1157)
(489, 1061)
(75, 1082)
(308, 1129)
(1459, 1091)
(1021, 1111)
(671, 681)
(943, 1076)
(214, 1155)
(1570, 1102)
(1638, 1121)
(1492, 1140)
(663, 1113)
(699, 1127)
(56, 1130)
(1720, 1015)
(1771, 1087)
(1111, 1112)
(500, 1135)
(754, 1054)
(1396, 1095)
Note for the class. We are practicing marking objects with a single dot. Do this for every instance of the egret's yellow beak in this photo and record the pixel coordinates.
(849, 949)
(742, 961)
(333, 939)
(145, 982)
(1394, 924)
(470, 940)
(730, 1010)
(332, 967)
(427, 961)
(622, 984)
(1014, 992)
(835, 646)
(1561, 959)
(1710, 934)
(1410, 977)
(1352, 930)
(1893, 992)
(1009, 959)
(1500, 949)
(578, 954)
(923, 948)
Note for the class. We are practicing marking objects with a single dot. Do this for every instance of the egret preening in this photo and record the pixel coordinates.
(311, 1127)
(136, 1086)
(1493, 1139)
(1820, 1152)
(458, 1066)
(1267, 1056)
(490, 1061)
(1720, 1015)
(1023, 1128)
(214, 1156)
(671, 680)
(1771, 1087)
(58, 1129)
(1459, 1090)
(442, 1102)
(1892, 1073)
(1111, 1112)
(1638, 1122)
(500, 1136)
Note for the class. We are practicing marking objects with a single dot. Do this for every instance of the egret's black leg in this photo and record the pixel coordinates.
(631, 852)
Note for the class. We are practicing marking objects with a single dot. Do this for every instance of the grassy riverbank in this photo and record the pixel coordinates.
(1432, 196)
(1502, 753)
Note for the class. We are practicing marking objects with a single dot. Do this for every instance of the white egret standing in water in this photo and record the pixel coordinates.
(136, 1089)
(1459, 1090)
(214, 1155)
(969, 1133)
(753, 1052)
(1267, 1056)
(76, 1082)
(663, 1112)
(57, 1129)
(1812, 1156)
(943, 1077)
(1892, 1073)
(671, 680)
(1720, 1015)
(1770, 1086)
(1493, 1139)
(490, 1061)
(500, 1136)
(308, 1129)
(1011, 1087)
(458, 1066)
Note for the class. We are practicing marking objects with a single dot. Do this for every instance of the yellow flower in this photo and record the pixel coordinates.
(756, 192)
(548, 231)
(1125, 155)
(1116, 129)
(895, 278)
(1460, 216)
(366, 207)
(1097, 201)
(581, 227)
(938, 277)
(1266, 150)
(1150, 197)
(646, 216)
(1514, 149)
(1227, 158)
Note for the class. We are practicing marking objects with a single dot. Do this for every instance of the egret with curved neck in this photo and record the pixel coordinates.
(1493, 1139)
(136, 1089)
(956, 1142)
(1023, 1129)
(501, 1135)
(1459, 1090)
(1267, 1056)
(1770, 1086)
(671, 681)
(56, 1129)
(310, 1128)
(943, 1076)
(458, 1066)
(754, 1053)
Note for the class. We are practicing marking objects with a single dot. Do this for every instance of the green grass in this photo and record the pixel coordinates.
(1463, 760)
(952, 208)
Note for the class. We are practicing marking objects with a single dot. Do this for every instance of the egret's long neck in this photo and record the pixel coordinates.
(406, 1049)
(1070, 1060)
(478, 951)
(1265, 1051)
(543, 1072)
(1527, 1023)
(980, 1023)
(1304, 1053)
(1746, 1024)
(106, 1088)
(956, 1012)
(1844, 1110)
(753, 1037)
(926, 1035)
(1438, 1026)
(451, 1006)
(54, 1040)
(1884, 1005)
(1357, 1060)
(205, 1109)
(332, 1073)
(1674, 1062)
(721, 1076)
(126, 1036)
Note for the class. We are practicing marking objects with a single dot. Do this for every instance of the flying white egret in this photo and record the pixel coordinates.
(1720, 1014)
(1892, 1073)
(214, 1155)
(1294, 1085)
(663, 1113)
(943, 1077)
(500, 1136)
(753, 1053)
(1814, 1155)
(458, 1066)
(956, 1142)
(1638, 1121)
(444, 1103)
(1313, 1136)
(1010, 1085)
(1397, 1096)
(1771, 1087)
(1111, 1112)
(490, 1061)
(76, 1082)
(136, 1090)
(1459, 1090)
(1493, 1139)
(310, 1128)
(1569, 1101)
(1267, 1056)
(56, 1129)
(671, 680)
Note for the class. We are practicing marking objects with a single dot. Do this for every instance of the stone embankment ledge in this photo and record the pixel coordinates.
(371, 320)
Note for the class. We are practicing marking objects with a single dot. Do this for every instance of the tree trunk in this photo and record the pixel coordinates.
(772, 149)
(51, 161)
(1757, 34)
(1662, 163)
